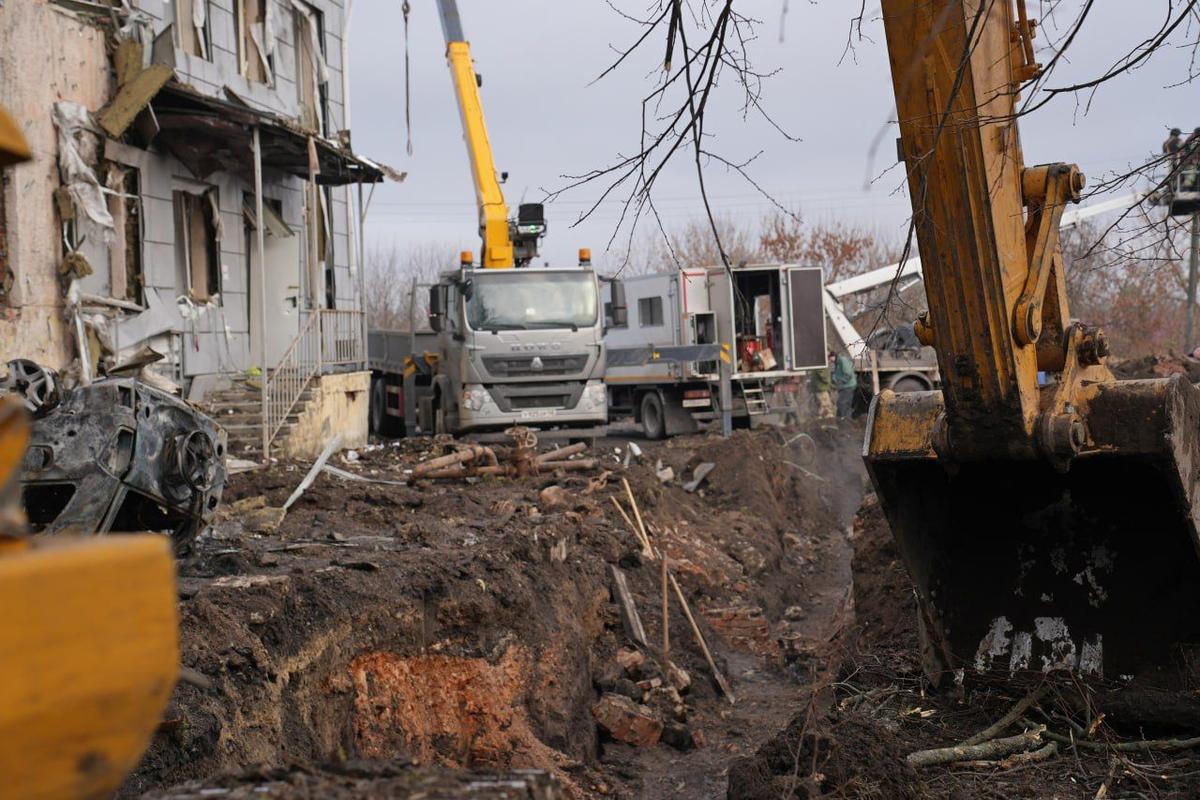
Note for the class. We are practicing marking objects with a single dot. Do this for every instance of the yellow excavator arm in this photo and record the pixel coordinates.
(493, 211)
(1047, 524)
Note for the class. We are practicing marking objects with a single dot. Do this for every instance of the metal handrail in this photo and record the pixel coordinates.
(341, 338)
(329, 337)
(291, 376)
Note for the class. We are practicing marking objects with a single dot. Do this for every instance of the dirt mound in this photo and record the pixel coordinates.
(854, 740)
(473, 625)
(839, 756)
(1156, 366)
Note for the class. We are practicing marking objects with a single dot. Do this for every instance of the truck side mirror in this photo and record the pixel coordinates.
(620, 311)
(437, 308)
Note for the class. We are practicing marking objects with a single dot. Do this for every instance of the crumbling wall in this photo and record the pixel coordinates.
(47, 54)
(338, 404)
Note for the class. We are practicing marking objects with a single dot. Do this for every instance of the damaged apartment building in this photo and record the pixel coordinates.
(192, 214)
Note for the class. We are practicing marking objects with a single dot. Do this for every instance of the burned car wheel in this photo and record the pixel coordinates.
(122, 456)
(37, 385)
(196, 460)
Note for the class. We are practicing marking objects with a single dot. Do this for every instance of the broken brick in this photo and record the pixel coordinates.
(627, 721)
(631, 660)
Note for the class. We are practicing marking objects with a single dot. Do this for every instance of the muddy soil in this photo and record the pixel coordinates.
(384, 635)
(852, 737)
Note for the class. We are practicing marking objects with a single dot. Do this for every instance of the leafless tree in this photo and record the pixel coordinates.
(392, 275)
(706, 40)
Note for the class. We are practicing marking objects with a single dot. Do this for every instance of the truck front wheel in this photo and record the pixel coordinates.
(654, 424)
(378, 406)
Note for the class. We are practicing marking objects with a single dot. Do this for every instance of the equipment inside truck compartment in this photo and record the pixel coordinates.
(758, 321)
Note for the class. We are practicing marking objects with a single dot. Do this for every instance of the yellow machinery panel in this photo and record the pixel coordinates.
(90, 656)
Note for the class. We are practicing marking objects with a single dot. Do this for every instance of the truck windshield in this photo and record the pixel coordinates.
(521, 299)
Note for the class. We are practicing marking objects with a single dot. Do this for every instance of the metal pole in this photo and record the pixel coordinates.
(260, 244)
(726, 368)
(362, 277)
(316, 276)
(1190, 343)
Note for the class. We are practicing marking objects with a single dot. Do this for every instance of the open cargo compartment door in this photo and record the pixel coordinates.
(806, 311)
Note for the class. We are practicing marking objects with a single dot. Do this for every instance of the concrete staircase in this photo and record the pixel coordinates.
(239, 411)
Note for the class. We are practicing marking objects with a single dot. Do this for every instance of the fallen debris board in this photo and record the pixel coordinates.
(132, 97)
(624, 599)
(698, 476)
(350, 476)
(312, 473)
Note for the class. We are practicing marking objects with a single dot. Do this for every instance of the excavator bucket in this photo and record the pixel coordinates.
(1023, 564)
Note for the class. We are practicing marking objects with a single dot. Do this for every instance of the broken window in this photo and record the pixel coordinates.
(312, 75)
(255, 40)
(197, 271)
(192, 26)
(327, 248)
(126, 279)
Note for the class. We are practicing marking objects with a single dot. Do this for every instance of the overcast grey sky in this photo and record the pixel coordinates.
(546, 118)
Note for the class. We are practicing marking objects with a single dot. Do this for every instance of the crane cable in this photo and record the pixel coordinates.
(405, 9)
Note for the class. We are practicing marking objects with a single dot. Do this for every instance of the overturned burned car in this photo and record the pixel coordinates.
(116, 456)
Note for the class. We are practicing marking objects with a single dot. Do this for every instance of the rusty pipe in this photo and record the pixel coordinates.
(468, 453)
(580, 464)
(561, 452)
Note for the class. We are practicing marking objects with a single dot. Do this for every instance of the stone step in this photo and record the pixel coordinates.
(219, 401)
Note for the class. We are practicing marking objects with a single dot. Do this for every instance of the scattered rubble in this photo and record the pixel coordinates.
(475, 626)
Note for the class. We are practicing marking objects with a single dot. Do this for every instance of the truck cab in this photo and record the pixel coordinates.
(516, 347)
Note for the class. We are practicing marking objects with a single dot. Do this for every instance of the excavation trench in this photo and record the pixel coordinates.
(384, 636)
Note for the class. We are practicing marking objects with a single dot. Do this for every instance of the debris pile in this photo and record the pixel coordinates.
(521, 460)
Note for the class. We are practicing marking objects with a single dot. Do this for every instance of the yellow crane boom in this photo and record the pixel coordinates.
(1045, 525)
(493, 211)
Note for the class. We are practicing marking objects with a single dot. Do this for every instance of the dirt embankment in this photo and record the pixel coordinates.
(852, 738)
(472, 627)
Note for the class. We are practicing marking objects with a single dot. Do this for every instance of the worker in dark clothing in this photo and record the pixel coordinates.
(1188, 160)
(844, 381)
(1173, 144)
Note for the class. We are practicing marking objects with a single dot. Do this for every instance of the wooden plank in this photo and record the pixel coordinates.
(624, 599)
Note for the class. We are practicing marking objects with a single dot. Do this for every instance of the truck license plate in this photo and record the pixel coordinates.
(699, 402)
(538, 413)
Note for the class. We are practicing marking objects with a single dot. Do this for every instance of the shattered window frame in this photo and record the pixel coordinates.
(314, 112)
(193, 211)
(200, 44)
(126, 260)
(256, 61)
